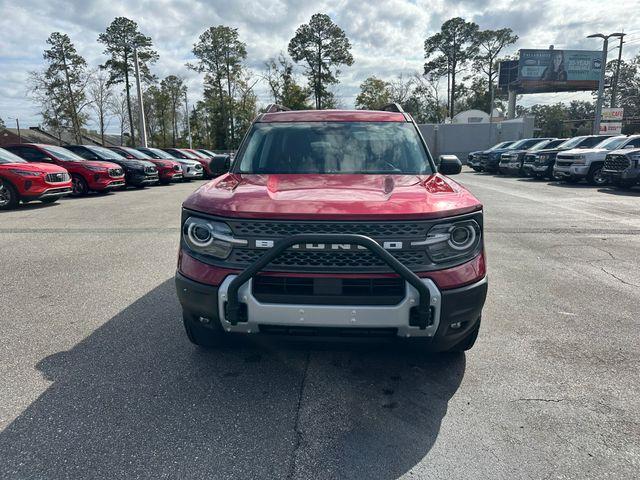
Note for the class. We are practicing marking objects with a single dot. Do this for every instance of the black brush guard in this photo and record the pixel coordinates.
(234, 307)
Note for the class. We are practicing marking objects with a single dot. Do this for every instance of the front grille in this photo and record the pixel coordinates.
(115, 172)
(334, 291)
(57, 177)
(484, 158)
(313, 261)
(617, 163)
(197, 168)
(150, 170)
(176, 168)
(394, 230)
(529, 159)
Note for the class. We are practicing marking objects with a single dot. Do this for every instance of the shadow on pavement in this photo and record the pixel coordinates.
(136, 400)
(628, 192)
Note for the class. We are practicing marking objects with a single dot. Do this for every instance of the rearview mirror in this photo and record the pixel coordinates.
(449, 165)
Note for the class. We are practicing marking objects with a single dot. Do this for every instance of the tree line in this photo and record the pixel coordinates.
(70, 93)
(459, 73)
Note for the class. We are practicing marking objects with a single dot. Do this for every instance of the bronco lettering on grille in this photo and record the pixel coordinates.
(325, 246)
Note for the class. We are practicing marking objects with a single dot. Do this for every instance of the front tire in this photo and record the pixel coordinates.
(9, 197)
(595, 177)
(80, 186)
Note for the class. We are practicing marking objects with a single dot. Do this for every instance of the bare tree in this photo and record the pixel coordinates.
(118, 107)
(101, 96)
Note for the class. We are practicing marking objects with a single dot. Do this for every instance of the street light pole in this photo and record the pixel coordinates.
(19, 134)
(186, 107)
(614, 87)
(603, 67)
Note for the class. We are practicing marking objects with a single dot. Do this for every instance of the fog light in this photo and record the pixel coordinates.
(455, 326)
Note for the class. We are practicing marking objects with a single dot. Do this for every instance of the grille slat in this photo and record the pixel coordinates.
(279, 229)
(617, 162)
(57, 177)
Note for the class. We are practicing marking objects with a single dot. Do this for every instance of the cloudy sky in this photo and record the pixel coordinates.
(387, 36)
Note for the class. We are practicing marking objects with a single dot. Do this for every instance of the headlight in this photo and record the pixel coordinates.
(543, 157)
(27, 173)
(451, 241)
(94, 168)
(579, 159)
(208, 237)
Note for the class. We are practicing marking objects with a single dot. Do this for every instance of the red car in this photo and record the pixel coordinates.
(168, 170)
(85, 175)
(335, 223)
(23, 181)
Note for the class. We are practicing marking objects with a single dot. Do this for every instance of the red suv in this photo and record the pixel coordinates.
(168, 170)
(22, 181)
(334, 223)
(85, 175)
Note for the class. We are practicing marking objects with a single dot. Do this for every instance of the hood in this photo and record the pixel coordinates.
(582, 151)
(135, 163)
(186, 161)
(101, 163)
(332, 197)
(624, 151)
(35, 167)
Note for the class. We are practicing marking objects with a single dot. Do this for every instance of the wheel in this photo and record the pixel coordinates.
(79, 185)
(467, 342)
(9, 197)
(205, 337)
(595, 176)
(50, 199)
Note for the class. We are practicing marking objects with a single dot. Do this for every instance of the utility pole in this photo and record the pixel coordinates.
(614, 87)
(19, 134)
(186, 107)
(603, 67)
(143, 127)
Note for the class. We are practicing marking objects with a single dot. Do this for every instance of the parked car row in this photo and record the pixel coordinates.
(30, 171)
(596, 159)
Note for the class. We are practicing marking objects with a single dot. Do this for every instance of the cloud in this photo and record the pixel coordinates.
(387, 37)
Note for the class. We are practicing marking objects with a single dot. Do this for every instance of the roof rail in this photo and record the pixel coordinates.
(392, 107)
(274, 107)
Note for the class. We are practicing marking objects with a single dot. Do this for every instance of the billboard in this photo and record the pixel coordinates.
(507, 74)
(612, 114)
(558, 70)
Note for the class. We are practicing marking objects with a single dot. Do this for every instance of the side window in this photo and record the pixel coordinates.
(590, 142)
(29, 154)
(635, 143)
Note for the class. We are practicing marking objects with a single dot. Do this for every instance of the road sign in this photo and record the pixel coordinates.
(611, 128)
(612, 114)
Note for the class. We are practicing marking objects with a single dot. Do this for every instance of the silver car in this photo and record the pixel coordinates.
(191, 169)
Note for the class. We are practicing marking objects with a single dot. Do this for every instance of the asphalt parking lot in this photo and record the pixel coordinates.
(99, 381)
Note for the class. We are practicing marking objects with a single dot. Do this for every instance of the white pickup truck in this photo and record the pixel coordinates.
(586, 163)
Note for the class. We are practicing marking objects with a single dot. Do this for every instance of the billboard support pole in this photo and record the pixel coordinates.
(511, 106)
(603, 68)
(143, 127)
(596, 123)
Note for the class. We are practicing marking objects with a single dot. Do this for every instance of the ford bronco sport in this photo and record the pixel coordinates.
(333, 223)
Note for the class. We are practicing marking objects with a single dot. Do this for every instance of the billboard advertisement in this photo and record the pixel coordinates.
(558, 70)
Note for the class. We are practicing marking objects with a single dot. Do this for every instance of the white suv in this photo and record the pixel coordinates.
(586, 163)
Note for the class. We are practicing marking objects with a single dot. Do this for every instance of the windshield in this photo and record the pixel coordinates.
(500, 145)
(572, 142)
(540, 145)
(8, 157)
(611, 143)
(334, 147)
(188, 154)
(136, 153)
(524, 144)
(62, 154)
(105, 153)
(161, 153)
(196, 154)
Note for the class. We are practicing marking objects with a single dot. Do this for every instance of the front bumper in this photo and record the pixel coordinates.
(631, 174)
(460, 307)
(142, 179)
(47, 193)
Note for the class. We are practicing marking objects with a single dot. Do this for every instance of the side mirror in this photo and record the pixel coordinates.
(629, 147)
(46, 160)
(449, 165)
